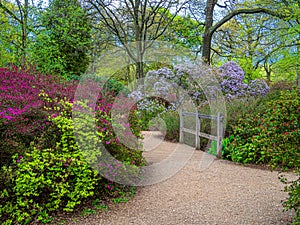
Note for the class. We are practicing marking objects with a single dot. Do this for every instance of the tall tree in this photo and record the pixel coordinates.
(231, 9)
(8, 37)
(19, 16)
(256, 41)
(63, 42)
(136, 21)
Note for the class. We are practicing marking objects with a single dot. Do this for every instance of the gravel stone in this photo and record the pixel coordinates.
(223, 193)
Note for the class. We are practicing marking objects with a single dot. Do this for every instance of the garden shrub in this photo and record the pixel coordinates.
(281, 86)
(45, 180)
(164, 84)
(172, 121)
(22, 113)
(238, 109)
(42, 180)
(258, 87)
(48, 172)
(149, 108)
(268, 132)
(293, 189)
(232, 80)
(270, 137)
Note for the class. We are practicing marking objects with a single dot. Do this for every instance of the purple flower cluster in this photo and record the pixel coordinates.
(165, 83)
(258, 87)
(232, 77)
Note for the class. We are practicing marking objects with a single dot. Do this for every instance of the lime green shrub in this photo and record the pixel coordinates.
(47, 179)
(57, 174)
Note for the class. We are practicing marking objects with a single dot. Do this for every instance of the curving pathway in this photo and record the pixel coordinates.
(219, 193)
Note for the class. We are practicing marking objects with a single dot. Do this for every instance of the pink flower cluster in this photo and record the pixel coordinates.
(20, 89)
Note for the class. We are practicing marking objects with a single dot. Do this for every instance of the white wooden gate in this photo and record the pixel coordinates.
(197, 132)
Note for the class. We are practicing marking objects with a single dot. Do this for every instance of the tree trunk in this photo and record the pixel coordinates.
(139, 70)
(268, 71)
(206, 45)
(207, 36)
(297, 66)
(140, 57)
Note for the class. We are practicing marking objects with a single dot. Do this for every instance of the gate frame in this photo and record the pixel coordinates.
(197, 132)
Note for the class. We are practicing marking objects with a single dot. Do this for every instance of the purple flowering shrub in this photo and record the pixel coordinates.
(232, 77)
(162, 92)
(258, 87)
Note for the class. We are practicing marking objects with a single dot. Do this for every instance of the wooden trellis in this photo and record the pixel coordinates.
(197, 132)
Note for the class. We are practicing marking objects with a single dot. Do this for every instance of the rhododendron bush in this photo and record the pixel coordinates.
(232, 77)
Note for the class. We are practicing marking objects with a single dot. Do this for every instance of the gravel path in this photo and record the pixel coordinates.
(223, 193)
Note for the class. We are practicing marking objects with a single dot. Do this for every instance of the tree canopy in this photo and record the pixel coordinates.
(65, 36)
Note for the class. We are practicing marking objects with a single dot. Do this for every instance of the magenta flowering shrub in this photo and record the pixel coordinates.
(52, 172)
(22, 113)
(19, 91)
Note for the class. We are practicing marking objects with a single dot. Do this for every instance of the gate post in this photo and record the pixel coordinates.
(181, 125)
(197, 141)
(219, 135)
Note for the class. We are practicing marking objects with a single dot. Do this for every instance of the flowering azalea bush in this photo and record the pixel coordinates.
(45, 167)
(22, 112)
(272, 137)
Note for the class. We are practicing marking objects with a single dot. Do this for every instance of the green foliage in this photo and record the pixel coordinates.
(238, 109)
(293, 201)
(109, 85)
(213, 148)
(282, 85)
(185, 32)
(226, 147)
(268, 132)
(172, 121)
(48, 179)
(62, 45)
(98, 205)
(7, 32)
(152, 108)
(271, 137)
